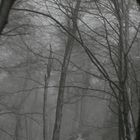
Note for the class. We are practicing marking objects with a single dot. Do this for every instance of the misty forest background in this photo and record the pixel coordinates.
(69, 70)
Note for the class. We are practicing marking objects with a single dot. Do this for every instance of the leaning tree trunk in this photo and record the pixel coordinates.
(67, 55)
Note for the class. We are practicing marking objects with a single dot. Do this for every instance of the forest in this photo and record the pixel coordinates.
(69, 70)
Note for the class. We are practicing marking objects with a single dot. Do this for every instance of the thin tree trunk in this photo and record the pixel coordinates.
(67, 55)
(83, 101)
(46, 79)
(18, 128)
(45, 133)
(20, 102)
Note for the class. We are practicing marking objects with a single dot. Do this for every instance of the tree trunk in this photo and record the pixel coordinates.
(46, 79)
(5, 7)
(67, 55)
(138, 126)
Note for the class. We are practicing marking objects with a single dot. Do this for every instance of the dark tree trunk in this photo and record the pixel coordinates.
(138, 127)
(138, 124)
(138, 1)
(5, 7)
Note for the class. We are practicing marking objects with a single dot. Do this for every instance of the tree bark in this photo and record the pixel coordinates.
(138, 1)
(67, 55)
(5, 7)
(138, 127)
(45, 133)
(46, 80)
(138, 123)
